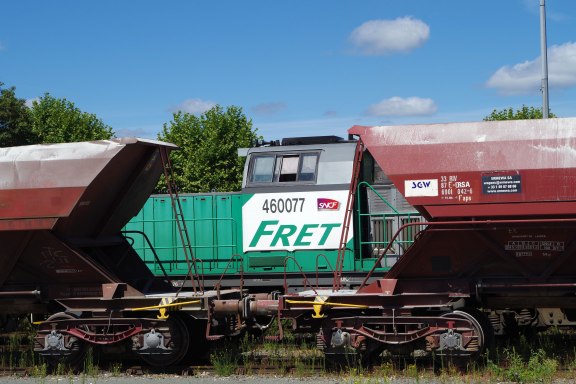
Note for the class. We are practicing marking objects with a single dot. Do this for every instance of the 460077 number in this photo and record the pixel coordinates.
(289, 205)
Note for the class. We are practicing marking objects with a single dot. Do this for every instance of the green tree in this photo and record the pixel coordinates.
(523, 113)
(15, 120)
(59, 120)
(208, 159)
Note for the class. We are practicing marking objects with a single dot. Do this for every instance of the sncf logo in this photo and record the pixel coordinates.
(328, 205)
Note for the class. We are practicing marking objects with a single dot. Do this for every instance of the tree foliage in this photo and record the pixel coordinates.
(15, 120)
(59, 120)
(208, 159)
(523, 113)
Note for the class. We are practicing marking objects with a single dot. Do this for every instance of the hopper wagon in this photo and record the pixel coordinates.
(65, 262)
(493, 255)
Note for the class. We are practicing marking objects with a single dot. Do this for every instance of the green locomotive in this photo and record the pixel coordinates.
(285, 228)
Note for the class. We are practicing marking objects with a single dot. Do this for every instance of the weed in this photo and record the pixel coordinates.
(538, 368)
(40, 371)
(90, 368)
(386, 369)
(411, 371)
(60, 369)
(115, 369)
(225, 361)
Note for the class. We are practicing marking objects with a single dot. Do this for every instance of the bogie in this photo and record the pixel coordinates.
(56, 346)
(166, 345)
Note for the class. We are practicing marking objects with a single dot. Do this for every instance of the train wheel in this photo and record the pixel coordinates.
(75, 349)
(481, 336)
(177, 337)
(338, 352)
(486, 326)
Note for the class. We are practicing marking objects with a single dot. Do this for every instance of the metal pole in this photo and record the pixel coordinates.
(544, 86)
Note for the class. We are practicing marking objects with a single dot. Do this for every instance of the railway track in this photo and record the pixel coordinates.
(191, 370)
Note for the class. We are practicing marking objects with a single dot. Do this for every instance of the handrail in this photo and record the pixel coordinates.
(356, 167)
(201, 277)
(226, 270)
(431, 224)
(327, 262)
(193, 222)
(394, 215)
(157, 259)
(306, 283)
(179, 216)
(365, 183)
(160, 262)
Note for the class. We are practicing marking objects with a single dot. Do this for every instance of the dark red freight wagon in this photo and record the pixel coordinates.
(495, 256)
(62, 207)
(64, 260)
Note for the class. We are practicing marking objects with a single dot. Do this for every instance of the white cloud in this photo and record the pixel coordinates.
(30, 102)
(525, 78)
(398, 106)
(194, 106)
(379, 37)
(269, 108)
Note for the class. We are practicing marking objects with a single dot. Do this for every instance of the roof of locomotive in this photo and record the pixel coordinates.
(480, 169)
(335, 158)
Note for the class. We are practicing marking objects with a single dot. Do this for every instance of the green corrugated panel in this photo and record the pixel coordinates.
(214, 223)
(204, 229)
(225, 232)
(187, 205)
(147, 215)
(164, 236)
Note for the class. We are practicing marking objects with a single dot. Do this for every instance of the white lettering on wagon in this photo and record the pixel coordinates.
(292, 221)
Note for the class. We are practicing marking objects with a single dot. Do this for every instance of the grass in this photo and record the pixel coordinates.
(540, 357)
(115, 369)
(509, 364)
(537, 359)
(91, 368)
(225, 361)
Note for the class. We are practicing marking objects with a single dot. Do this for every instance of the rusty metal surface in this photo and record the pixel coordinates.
(471, 169)
(41, 183)
(62, 207)
(46, 181)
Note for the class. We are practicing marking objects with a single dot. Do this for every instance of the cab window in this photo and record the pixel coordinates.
(284, 168)
(262, 169)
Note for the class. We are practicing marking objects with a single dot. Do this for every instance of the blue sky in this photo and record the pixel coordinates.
(300, 67)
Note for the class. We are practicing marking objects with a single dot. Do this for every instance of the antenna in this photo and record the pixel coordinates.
(543, 49)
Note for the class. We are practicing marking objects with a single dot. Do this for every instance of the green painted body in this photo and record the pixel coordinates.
(285, 227)
(214, 225)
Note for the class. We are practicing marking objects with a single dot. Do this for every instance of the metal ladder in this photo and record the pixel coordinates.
(195, 279)
(359, 153)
